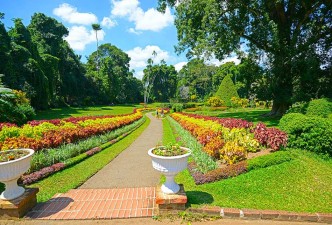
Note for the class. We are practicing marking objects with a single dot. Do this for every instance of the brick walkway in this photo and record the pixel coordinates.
(98, 204)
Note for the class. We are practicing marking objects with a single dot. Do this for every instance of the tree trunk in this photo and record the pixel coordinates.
(278, 110)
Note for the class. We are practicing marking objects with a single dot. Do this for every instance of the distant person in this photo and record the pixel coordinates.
(157, 113)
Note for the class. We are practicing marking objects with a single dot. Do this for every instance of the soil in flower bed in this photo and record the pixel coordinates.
(12, 155)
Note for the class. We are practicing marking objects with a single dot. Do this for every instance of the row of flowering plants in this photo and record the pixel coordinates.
(44, 134)
(229, 139)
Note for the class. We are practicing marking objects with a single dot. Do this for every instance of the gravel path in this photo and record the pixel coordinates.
(132, 168)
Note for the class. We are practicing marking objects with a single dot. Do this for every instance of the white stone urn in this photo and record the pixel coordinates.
(170, 166)
(11, 171)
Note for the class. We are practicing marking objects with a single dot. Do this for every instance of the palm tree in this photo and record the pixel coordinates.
(96, 27)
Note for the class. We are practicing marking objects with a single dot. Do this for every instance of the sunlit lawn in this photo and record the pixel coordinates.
(84, 111)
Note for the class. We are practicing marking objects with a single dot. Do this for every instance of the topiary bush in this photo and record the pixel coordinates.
(311, 133)
(319, 107)
(227, 90)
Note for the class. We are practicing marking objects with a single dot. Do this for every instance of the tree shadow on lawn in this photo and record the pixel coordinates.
(198, 198)
(252, 116)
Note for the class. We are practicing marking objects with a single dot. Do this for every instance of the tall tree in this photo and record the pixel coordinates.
(285, 31)
(96, 27)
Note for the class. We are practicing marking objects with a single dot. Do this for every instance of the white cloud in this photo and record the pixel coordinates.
(139, 56)
(80, 36)
(150, 20)
(124, 7)
(216, 62)
(108, 22)
(179, 65)
(69, 14)
(139, 74)
(133, 31)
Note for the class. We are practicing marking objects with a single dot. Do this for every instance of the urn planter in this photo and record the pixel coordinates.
(170, 166)
(11, 172)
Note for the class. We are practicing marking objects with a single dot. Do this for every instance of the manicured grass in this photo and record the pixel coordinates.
(76, 175)
(252, 115)
(303, 184)
(61, 113)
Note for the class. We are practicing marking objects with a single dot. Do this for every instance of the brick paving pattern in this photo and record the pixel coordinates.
(98, 204)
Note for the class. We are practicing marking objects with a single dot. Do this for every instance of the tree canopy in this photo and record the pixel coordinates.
(291, 35)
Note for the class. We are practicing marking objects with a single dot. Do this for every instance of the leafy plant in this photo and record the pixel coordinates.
(169, 150)
(6, 156)
(308, 132)
(215, 101)
(232, 152)
(319, 107)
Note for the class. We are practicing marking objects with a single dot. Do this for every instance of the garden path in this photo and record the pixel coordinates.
(131, 168)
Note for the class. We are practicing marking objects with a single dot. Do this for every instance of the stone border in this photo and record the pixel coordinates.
(263, 214)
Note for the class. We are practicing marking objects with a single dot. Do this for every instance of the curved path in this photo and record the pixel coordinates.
(132, 167)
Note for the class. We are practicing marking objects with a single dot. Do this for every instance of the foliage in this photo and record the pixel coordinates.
(319, 107)
(6, 156)
(215, 101)
(161, 80)
(227, 90)
(232, 170)
(177, 107)
(270, 160)
(50, 134)
(270, 137)
(239, 102)
(74, 176)
(14, 106)
(287, 32)
(37, 60)
(108, 72)
(298, 107)
(203, 161)
(311, 133)
(230, 139)
(169, 150)
(232, 152)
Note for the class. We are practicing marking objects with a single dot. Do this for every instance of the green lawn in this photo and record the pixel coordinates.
(61, 113)
(302, 185)
(252, 115)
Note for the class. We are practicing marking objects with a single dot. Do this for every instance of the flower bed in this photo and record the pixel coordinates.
(53, 133)
(230, 139)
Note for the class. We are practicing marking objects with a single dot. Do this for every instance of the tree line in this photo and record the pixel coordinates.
(38, 61)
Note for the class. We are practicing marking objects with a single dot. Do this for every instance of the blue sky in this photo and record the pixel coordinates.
(134, 26)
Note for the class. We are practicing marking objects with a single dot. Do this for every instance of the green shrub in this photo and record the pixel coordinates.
(308, 132)
(319, 107)
(177, 107)
(298, 107)
(270, 160)
(227, 90)
(215, 102)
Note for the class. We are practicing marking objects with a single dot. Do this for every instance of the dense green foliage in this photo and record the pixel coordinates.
(319, 107)
(37, 60)
(311, 133)
(227, 90)
(160, 81)
(108, 71)
(14, 106)
(294, 37)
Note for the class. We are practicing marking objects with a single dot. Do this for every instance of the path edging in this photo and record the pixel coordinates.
(262, 214)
